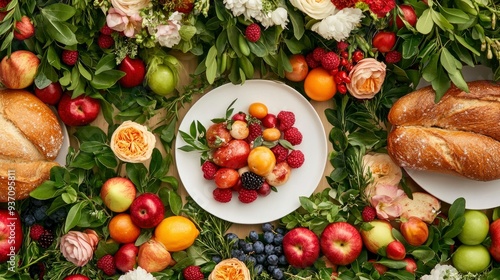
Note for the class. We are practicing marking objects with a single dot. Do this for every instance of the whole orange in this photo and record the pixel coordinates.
(122, 229)
(319, 85)
(261, 160)
(177, 233)
(258, 110)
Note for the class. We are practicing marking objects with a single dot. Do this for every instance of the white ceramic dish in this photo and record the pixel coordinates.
(61, 157)
(477, 194)
(302, 182)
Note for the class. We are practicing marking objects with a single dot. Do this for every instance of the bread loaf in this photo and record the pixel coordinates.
(458, 135)
(31, 138)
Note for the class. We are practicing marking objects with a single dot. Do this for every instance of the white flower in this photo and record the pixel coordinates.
(440, 272)
(237, 7)
(137, 274)
(168, 34)
(317, 9)
(339, 25)
(280, 17)
(253, 8)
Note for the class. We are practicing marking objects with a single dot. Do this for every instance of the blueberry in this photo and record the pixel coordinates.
(236, 252)
(29, 220)
(272, 259)
(268, 237)
(61, 214)
(231, 237)
(278, 239)
(282, 260)
(278, 250)
(280, 230)
(277, 273)
(269, 249)
(36, 202)
(260, 258)
(258, 247)
(253, 235)
(267, 227)
(258, 269)
(242, 257)
(247, 248)
(271, 268)
(241, 243)
(40, 213)
(251, 260)
(217, 259)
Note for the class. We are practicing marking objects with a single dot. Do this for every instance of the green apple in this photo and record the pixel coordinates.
(475, 228)
(471, 258)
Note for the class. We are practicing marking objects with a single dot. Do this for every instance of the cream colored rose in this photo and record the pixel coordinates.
(130, 7)
(382, 169)
(78, 247)
(317, 9)
(367, 78)
(132, 142)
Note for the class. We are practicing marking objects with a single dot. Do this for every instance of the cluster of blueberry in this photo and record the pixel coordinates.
(36, 213)
(263, 252)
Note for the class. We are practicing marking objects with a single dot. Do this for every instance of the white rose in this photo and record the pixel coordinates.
(132, 142)
(317, 9)
(382, 168)
(130, 7)
(367, 78)
(280, 17)
(339, 25)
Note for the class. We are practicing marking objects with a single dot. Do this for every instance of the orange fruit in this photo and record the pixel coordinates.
(122, 229)
(261, 160)
(271, 134)
(177, 233)
(319, 85)
(258, 110)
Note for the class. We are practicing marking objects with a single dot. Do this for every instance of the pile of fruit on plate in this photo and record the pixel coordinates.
(119, 75)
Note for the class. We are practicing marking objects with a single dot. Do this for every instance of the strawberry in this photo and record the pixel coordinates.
(209, 168)
(252, 32)
(69, 57)
(107, 265)
(247, 196)
(192, 272)
(368, 214)
(105, 41)
(36, 231)
(293, 135)
(392, 57)
(295, 159)
(286, 119)
(222, 195)
(330, 61)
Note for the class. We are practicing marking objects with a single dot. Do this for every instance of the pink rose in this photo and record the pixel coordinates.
(367, 78)
(119, 21)
(385, 199)
(78, 247)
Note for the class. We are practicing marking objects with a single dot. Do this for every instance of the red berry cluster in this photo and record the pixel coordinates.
(339, 63)
(42, 236)
(105, 40)
(229, 179)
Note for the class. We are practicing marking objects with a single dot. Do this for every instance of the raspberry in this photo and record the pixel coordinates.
(36, 232)
(280, 153)
(293, 135)
(106, 30)
(392, 57)
(105, 41)
(253, 32)
(247, 196)
(318, 53)
(46, 239)
(311, 63)
(342, 46)
(295, 159)
(107, 264)
(330, 61)
(286, 119)
(222, 195)
(69, 57)
(368, 214)
(192, 272)
(209, 168)
(251, 181)
(254, 131)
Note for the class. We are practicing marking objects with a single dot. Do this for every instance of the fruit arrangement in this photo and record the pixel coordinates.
(250, 153)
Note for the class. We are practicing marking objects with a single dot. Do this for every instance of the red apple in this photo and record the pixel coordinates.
(396, 250)
(11, 236)
(409, 16)
(147, 210)
(153, 256)
(135, 71)
(118, 193)
(494, 232)
(50, 94)
(19, 70)
(126, 257)
(380, 268)
(379, 235)
(411, 265)
(234, 155)
(76, 277)
(384, 41)
(341, 243)
(301, 247)
(415, 231)
(81, 110)
(218, 135)
(24, 29)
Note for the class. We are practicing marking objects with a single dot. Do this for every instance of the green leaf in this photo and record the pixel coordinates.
(458, 80)
(61, 32)
(5, 26)
(83, 160)
(106, 63)
(7, 41)
(307, 204)
(464, 43)
(297, 20)
(441, 84)
(46, 190)
(410, 46)
(211, 64)
(233, 34)
(175, 202)
(424, 22)
(441, 21)
(70, 196)
(457, 209)
(106, 79)
(74, 215)
(156, 165)
(449, 62)
(429, 72)
(58, 12)
(107, 159)
(455, 16)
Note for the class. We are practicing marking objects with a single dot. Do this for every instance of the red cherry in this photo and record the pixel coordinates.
(134, 69)
(269, 121)
(384, 41)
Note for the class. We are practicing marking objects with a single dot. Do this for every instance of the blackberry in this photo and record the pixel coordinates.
(46, 239)
(251, 181)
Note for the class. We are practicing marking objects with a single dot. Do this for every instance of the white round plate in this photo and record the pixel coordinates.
(478, 195)
(63, 152)
(302, 182)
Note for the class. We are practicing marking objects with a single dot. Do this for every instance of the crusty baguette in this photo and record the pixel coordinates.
(27, 176)
(477, 111)
(468, 154)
